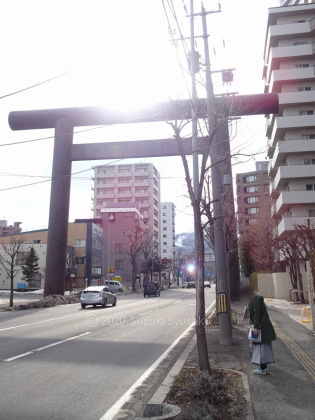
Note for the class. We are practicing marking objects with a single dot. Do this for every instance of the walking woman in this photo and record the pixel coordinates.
(259, 318)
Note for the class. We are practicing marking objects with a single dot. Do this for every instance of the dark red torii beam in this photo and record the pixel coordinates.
(63, 120)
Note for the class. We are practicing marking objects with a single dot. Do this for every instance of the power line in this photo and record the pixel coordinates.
(36, 85)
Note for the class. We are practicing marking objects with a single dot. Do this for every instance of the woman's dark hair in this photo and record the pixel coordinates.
(247, 291)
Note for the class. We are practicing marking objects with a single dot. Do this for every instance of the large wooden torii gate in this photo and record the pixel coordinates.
(65, 119)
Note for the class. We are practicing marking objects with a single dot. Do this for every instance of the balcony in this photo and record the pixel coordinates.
(282, 124)
(287, 147)
(278, 77)
(296, 98)
(124, 194)
(289, 223)
(290, 29)
(290, 51)
(285, 173)
(141, 194)
(290, 198)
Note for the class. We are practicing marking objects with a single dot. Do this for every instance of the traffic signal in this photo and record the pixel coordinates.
(196, 63)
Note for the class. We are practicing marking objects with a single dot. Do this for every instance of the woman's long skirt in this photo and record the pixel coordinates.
(262, 353)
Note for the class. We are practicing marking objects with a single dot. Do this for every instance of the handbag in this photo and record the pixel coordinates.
(252, 336)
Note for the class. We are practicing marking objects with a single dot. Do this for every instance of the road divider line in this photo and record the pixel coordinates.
(146, 313)
(178, 301)
(45, 347)
(111, 413)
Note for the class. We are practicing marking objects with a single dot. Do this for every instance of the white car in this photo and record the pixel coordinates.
(206, 283)
(114, 285)
(97, 295)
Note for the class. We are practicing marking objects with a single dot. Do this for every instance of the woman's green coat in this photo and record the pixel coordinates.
(259, 317)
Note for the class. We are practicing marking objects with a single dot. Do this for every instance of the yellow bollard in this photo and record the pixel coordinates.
(269, 296)
(307, 314)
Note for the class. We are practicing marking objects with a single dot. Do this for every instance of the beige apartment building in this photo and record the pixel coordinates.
(168, 230)
(290, 70)
(252, 192)
(130, 183)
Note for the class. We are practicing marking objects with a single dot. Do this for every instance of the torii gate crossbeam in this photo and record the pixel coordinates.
(64, 120)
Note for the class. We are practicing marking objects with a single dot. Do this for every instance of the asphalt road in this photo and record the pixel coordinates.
(69, 363)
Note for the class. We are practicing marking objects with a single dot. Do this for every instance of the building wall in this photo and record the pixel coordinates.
(124, 183)
(82, 237)
(290, 45)
(41, 250)
(251, 186)
(167, 223)
(119, 228)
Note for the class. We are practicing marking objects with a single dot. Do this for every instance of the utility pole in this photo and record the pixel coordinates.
(223, 297)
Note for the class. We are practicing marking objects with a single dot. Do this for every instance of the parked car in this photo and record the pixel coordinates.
(207, 283)
(97, 295)
(151, 288)
(185, 285)
(114, 285)
(191, 285)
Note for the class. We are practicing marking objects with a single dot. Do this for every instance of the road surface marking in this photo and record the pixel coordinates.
(146, 313)
(111, 413)
(45, 347)
(55, 319)
(177, 302)
(192, 304)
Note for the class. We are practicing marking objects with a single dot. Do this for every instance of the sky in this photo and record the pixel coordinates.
(116, 54)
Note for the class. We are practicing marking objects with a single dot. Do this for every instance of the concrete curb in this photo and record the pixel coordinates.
(249, 406)
(161, 393)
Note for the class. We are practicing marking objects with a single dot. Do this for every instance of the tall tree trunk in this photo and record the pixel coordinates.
(300, 281)
(11, 291)
(200, 300)
(133, 278)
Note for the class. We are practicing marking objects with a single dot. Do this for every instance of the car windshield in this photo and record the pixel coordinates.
(90, 291)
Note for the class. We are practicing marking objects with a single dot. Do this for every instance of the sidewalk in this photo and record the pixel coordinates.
(291, 309)
(287, 393)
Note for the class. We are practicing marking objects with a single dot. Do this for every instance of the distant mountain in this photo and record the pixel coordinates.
(186, 241)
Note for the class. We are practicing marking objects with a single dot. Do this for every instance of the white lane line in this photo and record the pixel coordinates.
(146, 313)
(192, 304)
(111, 413)
(45, 347)
(178, 301)
(55, 319)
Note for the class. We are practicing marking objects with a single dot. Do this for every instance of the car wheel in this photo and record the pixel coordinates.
(119, 290)
(94, 306)
(115, 302)
(105, 303)
(83, 305)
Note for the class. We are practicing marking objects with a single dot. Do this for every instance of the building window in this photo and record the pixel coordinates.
(311, 213)
(141, 169)
(21, 257)
(80, 243)
(310, 187)
(164, 221)
(304, 88)
(308, 136)
(300, 43)
(164, 236)
(96, 244)
(165, 251)
(251, 189)
(119, 264)
(250, 178)
(37, 241)
(155, 202)
(79, 260)
(164, 214)
(96, 261)
(306, 112)
(164, 228)
(123, 170)
(124, 191)
(302, 66)
(155, 191)
(251, 200)
(123, 181)
(164, 206)
(252, 210)
(309, 161)
(119, 248)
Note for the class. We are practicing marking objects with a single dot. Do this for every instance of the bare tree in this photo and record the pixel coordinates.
(9, 261)
(179, 261)
(137, 241)
(147, 255)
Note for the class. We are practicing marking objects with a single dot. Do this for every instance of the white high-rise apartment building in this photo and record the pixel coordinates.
(290, 70)
(138, 183)
(167, 224)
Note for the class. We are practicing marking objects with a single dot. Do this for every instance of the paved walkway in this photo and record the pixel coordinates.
(287, 392)
(291, 309)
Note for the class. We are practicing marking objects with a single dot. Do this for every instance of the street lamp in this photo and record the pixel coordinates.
(111, 218)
